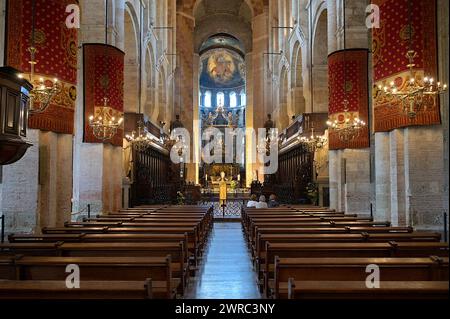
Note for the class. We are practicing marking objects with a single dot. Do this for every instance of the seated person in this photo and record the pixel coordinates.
(273, 201)
(262, 202)
(252, 202)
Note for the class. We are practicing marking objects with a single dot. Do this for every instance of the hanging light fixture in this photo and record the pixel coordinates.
(44, 90)
(412, 94)
(348, 127)
(313, 142)
(103, 124)
(139, 140)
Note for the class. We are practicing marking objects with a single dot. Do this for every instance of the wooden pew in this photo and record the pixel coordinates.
(357, 290)
(331, 230)
(100, 269)
(31, 249)
(265, 266)
(120, 237)
(193, 244)
(21, 238)
(342, 238)
(198, 237)
(354, 269)
(252, 231)
(175, 250)
(7, 270)
(89, 290)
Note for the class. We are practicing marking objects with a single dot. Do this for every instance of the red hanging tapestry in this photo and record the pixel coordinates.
(56, 56)
(103, 77)
(390, 43)
(357, 94)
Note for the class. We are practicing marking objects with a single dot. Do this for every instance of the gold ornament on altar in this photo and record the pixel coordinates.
(222, 189)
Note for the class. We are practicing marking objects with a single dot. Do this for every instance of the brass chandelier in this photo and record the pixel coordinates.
(313, 142)
(348, 127)
(103, 124)
(412, 94)
(139, 140)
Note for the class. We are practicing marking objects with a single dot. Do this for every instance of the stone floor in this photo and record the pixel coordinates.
(226, 271)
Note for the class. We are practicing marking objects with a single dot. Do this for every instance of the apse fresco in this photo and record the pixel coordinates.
(222, 68)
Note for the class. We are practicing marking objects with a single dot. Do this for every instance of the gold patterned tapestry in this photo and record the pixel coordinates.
(389, 45)
(349, 67)
(103, 77)
(57, 50)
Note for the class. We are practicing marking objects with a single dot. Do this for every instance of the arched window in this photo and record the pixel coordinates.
(207, 102)
(200, 98)
(220, 99)
(233, 99)
(243, 98)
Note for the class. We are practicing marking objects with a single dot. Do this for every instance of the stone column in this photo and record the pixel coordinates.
(382, 209)
(355, 191)
(97, 173)
(185, 85)
(414, 189)
(255, 95)
(443, 49)
(55, 161)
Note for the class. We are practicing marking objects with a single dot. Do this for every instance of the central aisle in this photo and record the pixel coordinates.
(226, 271)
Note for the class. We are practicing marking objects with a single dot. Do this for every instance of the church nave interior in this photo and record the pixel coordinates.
(209, 149)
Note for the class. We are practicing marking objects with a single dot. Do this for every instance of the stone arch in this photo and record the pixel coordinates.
(131, 68)
(283, 117)
(320, 62)
(162, 96)
(150, 81)
(298, 103)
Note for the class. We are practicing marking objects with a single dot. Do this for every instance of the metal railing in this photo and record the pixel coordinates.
(87, 209)
(2, 219)
(231, 208)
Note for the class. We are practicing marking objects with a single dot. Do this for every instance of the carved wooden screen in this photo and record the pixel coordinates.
(152, 171)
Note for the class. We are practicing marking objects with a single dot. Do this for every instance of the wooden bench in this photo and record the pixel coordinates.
(31, 249)
(252, 231)
(354, 269)
(7, 270)
(100, 269)
(357, 290)
(89, 290)
(176, 251)
(265, 265)
(330, 230)
(50, 238)
(342, 238)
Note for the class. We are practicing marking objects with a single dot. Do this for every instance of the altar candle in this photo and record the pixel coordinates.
(206, 177)
(239, 177)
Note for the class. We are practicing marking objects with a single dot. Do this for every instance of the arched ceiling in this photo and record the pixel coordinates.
(206, 8)
(222, 41)
(231, 17)
(189, 6)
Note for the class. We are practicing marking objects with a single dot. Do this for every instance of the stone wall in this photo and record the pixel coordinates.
(20, 190)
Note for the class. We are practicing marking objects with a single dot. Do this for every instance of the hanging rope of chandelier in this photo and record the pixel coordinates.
(348, 127)
(104, 125)
(139, 139)
(412, 95)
